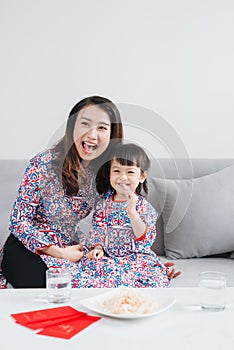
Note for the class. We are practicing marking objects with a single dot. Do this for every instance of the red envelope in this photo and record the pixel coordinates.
(47, 323)
(70, 328)
(45, 314)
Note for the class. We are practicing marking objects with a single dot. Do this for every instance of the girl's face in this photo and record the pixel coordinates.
(92, 132)
(125, 178)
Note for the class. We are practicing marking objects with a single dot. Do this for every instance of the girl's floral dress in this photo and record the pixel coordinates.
(43, 215)
(138, 264)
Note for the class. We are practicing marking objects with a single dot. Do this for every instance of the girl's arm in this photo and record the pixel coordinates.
(146, 240)
(148, 216)
(96, 253)
(138, 225)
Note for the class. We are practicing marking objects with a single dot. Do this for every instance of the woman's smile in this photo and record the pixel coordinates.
(89, 147)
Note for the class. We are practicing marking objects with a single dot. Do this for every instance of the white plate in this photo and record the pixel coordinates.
(93, 304)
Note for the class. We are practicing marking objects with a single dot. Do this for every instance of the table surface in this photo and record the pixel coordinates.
(184, 326)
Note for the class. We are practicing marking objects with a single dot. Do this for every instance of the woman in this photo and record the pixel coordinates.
(52, 197)
(57, 190)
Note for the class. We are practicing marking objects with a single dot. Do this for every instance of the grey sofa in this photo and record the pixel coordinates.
(194, 199)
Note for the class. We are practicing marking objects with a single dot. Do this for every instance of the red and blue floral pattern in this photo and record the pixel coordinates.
(139, 266)
(43, 215)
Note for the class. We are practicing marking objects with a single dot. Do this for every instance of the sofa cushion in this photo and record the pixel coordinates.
(191, 268)
(198, 214)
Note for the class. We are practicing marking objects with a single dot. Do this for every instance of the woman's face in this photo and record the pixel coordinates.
(92, 132)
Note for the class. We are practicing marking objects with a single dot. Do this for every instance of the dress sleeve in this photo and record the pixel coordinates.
(149, 215)
(97, 233)
(22, 220)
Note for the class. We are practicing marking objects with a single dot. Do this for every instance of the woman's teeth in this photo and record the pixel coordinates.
(88, 147)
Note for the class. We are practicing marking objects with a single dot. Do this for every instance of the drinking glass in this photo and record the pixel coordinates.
(58, 285)
(212, 290)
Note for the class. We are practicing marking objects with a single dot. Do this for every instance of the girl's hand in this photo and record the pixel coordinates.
(131, 198)
(74, 252)
(137, 223)
(131, 203)
(96, 253)
(171, 273)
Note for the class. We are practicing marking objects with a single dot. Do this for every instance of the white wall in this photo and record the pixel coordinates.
(172, 57)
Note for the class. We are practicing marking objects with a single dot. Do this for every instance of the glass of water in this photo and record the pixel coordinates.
(58, 285)
(212, 290)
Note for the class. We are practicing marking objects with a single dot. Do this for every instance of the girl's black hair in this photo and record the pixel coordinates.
(126, 154)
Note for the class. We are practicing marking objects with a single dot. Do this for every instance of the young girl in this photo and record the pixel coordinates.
(124, 223)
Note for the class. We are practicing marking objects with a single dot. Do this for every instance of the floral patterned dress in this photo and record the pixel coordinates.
(138, 264)
(43, 215)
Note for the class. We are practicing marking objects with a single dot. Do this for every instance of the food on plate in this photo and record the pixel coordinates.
(129, 301)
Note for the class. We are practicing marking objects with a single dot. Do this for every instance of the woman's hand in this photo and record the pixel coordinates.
(73, 253)
(96, 253)
(171, 273)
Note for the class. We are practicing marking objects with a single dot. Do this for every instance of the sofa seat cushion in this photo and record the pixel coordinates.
(191, 268)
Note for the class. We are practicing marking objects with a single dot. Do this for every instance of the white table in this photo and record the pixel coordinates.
(184, 326)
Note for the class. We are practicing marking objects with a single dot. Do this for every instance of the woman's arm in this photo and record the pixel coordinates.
(22, 219)
(73, 253)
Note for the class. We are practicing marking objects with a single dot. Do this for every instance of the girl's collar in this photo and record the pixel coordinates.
(119, 200)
